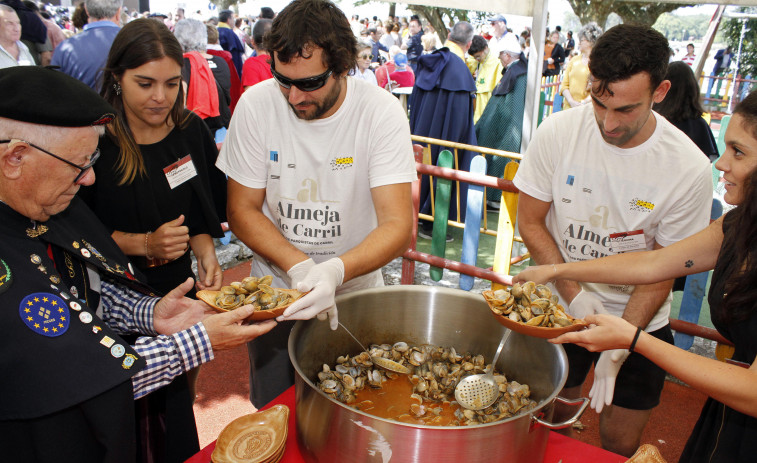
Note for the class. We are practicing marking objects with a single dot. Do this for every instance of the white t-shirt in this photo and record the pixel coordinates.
(662, 187)
(25, 58)
(318, 174)
(366, 75)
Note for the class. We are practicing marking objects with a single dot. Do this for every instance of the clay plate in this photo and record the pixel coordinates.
(259, 437)
(209, 297)
(536, 331)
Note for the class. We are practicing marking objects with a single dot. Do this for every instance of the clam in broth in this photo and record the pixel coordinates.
(427, 395)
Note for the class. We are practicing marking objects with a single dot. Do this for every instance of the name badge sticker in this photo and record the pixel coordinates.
(628, 241)
(180, 171)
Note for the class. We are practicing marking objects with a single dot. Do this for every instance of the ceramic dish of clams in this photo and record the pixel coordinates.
(532, 310)
(268, 302)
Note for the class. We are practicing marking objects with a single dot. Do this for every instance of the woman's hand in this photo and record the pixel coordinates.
(209, 273)
(170, 241)
(606, 332)
(537, 274)
(208, 270)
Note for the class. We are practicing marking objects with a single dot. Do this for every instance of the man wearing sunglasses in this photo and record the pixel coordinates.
(80, 336)
(320, 166)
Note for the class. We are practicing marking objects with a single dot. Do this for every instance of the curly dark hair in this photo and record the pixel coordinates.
(478, 44)
(736, 269)
(682, 101)
(626, 50)
(304, 24)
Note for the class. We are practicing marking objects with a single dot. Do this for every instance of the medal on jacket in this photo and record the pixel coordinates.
(36, 231)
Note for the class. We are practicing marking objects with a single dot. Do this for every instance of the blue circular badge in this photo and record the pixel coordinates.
(45, 314)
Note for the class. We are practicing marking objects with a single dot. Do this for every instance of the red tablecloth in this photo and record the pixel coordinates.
(559, 448)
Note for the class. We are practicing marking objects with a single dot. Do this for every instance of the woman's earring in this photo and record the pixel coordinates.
(117, 88)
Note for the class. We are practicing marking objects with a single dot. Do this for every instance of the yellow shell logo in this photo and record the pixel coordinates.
(641, 206)
(341, 163)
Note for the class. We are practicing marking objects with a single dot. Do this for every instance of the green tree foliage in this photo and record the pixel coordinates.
(731, 29)
(227, 4)
(682, 28)
(630, 12)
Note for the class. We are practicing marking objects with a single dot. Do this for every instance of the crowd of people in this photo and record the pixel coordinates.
(314, 176)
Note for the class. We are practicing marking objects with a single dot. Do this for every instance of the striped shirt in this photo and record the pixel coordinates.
(128, 311)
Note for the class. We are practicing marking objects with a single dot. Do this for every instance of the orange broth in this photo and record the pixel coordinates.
(392, 401)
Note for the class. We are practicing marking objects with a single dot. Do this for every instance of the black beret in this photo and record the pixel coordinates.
(49, 97)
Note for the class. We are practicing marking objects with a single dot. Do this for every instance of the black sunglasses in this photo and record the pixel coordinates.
(308, 84)
(82, 169)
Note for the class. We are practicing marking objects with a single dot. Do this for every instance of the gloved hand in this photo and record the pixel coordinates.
(605, 372)
(585, 304)
(321, 280)
(299, 271)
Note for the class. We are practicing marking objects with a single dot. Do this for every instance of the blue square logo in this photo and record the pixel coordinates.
(274, 156)
(570, 180)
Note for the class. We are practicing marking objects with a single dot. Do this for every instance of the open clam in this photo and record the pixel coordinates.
(268, 302)
(532, 310)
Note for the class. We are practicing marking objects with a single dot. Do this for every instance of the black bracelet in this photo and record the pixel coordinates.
(635, 338)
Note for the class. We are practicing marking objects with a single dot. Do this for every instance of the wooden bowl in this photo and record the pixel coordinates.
(535, 331)
(256, 438)
(209, 297)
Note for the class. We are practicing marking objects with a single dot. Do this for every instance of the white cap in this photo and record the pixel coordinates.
(509, 43)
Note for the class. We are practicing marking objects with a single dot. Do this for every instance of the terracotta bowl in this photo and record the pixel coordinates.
(256, 438)
(209, 297)
(535, 331)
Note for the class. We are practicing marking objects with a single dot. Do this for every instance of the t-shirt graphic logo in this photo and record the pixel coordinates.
(639, 205)
(274, 156)
(570, 180)
(341, 163)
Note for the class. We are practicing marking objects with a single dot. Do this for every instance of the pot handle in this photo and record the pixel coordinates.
(583, 401)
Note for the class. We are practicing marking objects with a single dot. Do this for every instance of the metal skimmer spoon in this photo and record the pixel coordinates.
(476, 392)
(381, 362)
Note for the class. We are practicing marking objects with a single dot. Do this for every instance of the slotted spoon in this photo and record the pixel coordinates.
(476, 392)
(386, 364)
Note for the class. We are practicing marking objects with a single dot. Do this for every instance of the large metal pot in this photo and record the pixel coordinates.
(329, 431)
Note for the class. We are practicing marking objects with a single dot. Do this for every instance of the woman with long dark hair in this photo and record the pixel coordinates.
(683, 107)
(727, 428)
(153, 189)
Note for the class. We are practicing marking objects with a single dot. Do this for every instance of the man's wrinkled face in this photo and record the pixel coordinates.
(10, 26)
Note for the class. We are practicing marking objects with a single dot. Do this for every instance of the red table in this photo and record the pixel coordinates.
(559, 448)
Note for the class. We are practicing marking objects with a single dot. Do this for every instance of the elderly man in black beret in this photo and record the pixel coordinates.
(69, 297)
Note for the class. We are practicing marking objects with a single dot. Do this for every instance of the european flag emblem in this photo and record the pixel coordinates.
(274, 156)
(570, 180)
(45, 314)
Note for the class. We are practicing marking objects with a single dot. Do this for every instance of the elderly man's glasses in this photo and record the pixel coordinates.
(82, 169)
(308, 84)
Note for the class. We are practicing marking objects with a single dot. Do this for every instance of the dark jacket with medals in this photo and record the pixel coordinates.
(57, 357)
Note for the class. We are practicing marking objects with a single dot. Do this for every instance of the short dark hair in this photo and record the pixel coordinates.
(682, 102)
(259, 29)
(267, 12)
(626, 50)
(479, 43)
(307, 23)
(224, 16)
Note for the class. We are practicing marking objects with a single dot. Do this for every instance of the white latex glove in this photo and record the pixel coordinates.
(299, 271)
(605, 372)
(321, 280)
(585, 304)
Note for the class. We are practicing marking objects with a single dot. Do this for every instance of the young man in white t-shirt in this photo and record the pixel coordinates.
(320, 167)
(610, 178)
